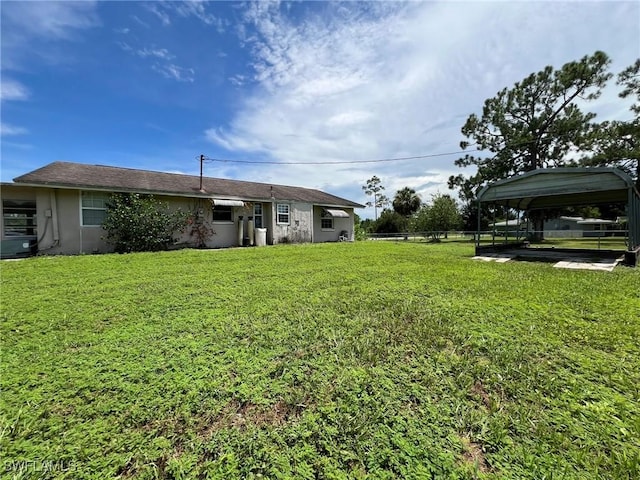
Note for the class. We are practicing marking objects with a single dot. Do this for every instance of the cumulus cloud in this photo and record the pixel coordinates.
(354, 81)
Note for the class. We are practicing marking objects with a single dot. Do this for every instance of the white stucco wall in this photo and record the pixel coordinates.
(300, 226)
(339, 224)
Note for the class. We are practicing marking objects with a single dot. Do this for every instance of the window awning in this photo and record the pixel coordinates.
(337, 213)
(222, 202)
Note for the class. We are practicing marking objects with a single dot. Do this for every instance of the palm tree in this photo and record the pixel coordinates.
(406, 202)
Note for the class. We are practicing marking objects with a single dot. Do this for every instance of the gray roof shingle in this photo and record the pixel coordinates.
(79, 175)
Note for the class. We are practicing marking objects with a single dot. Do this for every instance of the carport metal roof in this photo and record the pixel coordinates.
(570, 186)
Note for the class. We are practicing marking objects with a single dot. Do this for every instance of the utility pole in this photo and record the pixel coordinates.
(201, 162)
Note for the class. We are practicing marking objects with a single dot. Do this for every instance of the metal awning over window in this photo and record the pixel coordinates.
(222, 202)
(336, 213)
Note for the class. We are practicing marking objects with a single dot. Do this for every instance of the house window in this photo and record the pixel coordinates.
(326, 223)
(257, 215)
(283, 214)
(19, 218)
(94, 208)
(222, 213)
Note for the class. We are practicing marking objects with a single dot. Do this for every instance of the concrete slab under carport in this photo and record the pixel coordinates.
(605, 260)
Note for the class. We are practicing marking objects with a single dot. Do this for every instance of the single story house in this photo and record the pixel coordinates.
(560, 227)
(576, 227)
(59, 208)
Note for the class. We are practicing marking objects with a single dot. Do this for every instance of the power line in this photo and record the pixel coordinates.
(338, 162)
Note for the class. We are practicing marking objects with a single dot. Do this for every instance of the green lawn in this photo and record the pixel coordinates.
(366, 360)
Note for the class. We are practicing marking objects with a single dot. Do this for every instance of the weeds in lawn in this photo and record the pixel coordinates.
(365, 360)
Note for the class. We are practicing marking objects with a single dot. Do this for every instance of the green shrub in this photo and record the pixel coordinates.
(139, 223)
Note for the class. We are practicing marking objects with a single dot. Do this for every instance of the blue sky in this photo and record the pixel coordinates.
(152, 85)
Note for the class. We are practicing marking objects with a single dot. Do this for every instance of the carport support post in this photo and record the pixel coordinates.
(506, 224)
(633, 219)
(479, 226)
(493, 230)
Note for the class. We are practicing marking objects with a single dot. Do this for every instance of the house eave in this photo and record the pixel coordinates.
(195, 194)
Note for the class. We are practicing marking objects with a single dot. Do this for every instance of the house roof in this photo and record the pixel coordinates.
(102, 177)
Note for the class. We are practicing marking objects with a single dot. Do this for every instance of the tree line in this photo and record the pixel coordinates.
(408, 213)
(537, 123)
(540, 123)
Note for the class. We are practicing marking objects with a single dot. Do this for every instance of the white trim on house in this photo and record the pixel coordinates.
(104, 197)
(287, 213)
(258, 215)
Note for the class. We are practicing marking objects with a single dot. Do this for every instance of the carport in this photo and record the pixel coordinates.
(563, 187)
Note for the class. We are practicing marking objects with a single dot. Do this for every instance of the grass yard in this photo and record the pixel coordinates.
(367, 360)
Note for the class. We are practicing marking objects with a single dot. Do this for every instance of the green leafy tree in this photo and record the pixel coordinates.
(420, 220)
(535, 124)
(367, 225)
(406, 202)
(359, 233)
(374, 188)
(469, 216)
(137, 223)
(616, 143)
(441, 216)
(390, 222)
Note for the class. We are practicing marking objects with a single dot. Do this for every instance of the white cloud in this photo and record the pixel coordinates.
(12, 90)
(167, 69)
(8, 130)
(158, 12)
(162, 53)
(139, 21)
(378, 80)
(197, 9)
(56, 20)
(186, 8)
(175, 72)
(238, 80)
(31, 27)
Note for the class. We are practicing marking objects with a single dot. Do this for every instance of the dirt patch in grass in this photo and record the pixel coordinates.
(479, 391)
(473, 455)
(243, 415)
